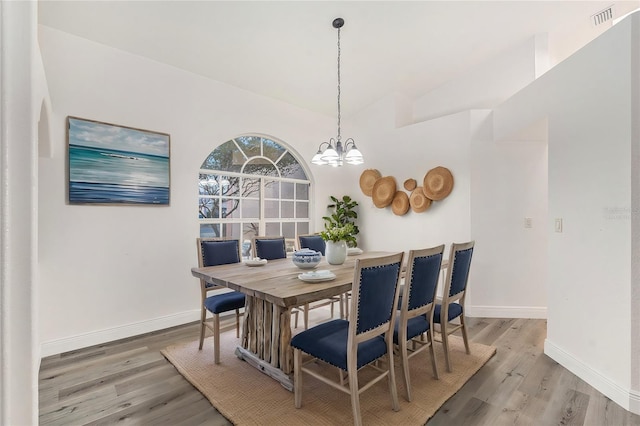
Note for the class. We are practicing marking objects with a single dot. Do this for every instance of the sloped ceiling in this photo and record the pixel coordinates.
(287, 50)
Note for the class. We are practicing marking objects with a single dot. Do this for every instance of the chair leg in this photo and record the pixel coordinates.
(405, 368)
(216, 338)
(352, 371)
(434, 362)
(237, 323)
(297, 377)
(203, 317)
(346, 306)
(464, 334)
(393, 389)
(445, 343)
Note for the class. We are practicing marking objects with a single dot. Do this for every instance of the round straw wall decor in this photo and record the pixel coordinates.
(400, 203)
(438, 183)
(367, 179)
(383, 191)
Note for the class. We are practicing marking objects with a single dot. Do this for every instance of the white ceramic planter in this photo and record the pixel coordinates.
(336, 252)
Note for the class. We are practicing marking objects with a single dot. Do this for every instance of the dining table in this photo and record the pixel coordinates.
(272, 290)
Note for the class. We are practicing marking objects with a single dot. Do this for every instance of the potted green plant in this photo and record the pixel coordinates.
(340, 229)
(343, 213)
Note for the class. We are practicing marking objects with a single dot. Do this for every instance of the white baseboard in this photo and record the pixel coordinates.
(626, 398)
(85, 340)
(538, 312)
(634, 402)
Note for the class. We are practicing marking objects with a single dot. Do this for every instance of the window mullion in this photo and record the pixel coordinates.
(263, 224)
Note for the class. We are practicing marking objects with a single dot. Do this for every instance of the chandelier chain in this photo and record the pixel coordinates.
(334, 152)
(338, 137)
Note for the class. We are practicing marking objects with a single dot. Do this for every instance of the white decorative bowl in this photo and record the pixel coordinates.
(256, 261)
(306, 258)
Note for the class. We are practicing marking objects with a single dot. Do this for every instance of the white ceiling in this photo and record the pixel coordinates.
(287, 50)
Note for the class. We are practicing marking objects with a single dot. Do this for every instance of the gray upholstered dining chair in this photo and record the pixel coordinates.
(357, 343)
(453, 297)
(212, 252)
(416, 309)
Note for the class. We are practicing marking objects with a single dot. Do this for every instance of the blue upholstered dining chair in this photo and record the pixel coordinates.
(416, 309)
(367, 337)
(269, 248)
(212, 252)
(455, 290)
(272, 248)
(315, 242)
(312, 241)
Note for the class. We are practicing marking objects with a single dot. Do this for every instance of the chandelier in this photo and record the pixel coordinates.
(335, 152)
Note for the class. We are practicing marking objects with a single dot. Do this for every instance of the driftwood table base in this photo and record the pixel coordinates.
(266, 334)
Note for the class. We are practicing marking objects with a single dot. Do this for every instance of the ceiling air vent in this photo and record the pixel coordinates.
(603, 16)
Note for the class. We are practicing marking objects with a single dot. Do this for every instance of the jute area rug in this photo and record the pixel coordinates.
(246, 396)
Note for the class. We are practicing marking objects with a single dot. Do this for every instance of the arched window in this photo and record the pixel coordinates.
(251, 185)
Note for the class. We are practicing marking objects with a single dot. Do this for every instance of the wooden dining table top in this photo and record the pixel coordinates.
(277, 281)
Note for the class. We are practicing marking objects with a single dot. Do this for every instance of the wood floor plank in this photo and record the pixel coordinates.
(493, 331)
(604, 412)
(112, 373)
(60, 374)
(451, 408)
(473, 412)
(74, 410)
(180, 410)
(145, 378)
(490, 372)
(532, 397)
(541, 378)
(476, 325)
(162, 407)
(71, 358)
(514, 411)
(512, 363)
(87, 412)
(205, 418)
(574, 409)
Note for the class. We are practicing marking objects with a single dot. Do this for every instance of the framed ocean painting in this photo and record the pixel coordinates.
(111, 164)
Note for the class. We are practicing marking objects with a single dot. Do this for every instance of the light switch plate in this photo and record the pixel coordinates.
(558, 224)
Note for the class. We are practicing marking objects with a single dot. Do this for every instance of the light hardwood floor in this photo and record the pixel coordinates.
(130, 382)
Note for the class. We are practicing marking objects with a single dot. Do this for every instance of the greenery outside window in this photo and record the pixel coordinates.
(252, 185)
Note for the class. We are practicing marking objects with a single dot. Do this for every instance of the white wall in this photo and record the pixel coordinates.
(113, 271)
(19, 352)
(487, 84)
(508, 184)
(635, 208)
(588, 101)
